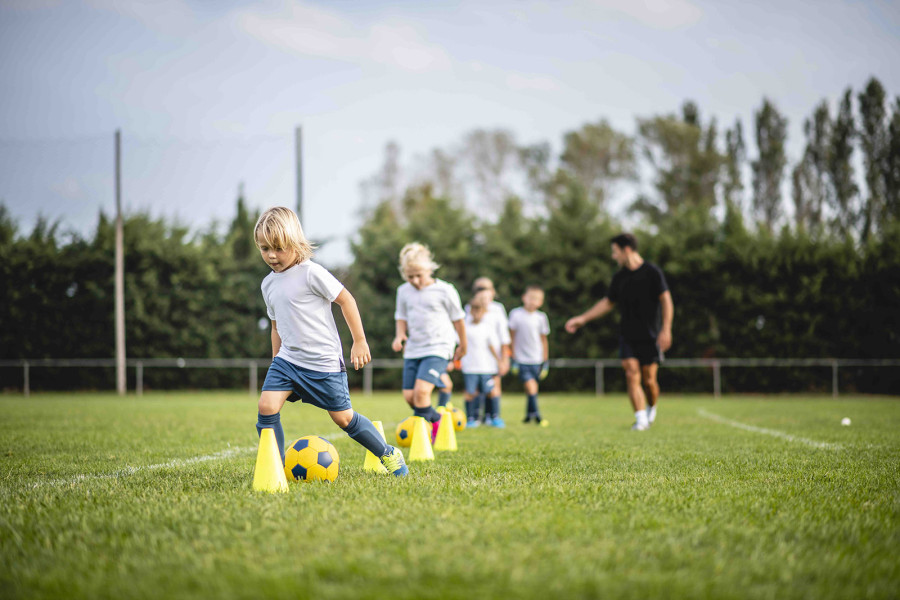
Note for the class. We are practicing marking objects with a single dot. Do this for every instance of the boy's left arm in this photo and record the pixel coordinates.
(460, 327)
(545, 367)
(359, 352)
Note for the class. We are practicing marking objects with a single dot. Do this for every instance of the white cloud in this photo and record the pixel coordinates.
(520, 82)
(313, 32)
(658, 14)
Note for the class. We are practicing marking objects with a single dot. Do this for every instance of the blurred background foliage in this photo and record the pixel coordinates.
(752, 273)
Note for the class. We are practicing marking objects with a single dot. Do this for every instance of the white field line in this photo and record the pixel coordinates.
(172, 464)
(772, 432)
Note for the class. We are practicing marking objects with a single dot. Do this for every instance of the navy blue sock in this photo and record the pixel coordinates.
(428, 413)
(470, 410)
(364, 433)
(272, 422)
(443, 398)
(532, 405)
(495, 406)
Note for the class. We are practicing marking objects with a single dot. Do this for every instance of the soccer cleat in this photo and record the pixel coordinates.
(488, 421)
(394, 463)
(527, 419)
(434, 429)
(640, 427)
(498, 423)
(472, 423)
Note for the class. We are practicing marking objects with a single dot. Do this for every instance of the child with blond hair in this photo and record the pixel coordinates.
(307, 358)
(429, 323)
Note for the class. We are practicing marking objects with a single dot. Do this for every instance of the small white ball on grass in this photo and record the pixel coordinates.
(845, 421)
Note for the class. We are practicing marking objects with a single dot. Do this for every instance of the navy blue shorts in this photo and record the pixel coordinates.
(647, 353)
(325, 390)
(528, 372)
(427, 368)
(478, 382)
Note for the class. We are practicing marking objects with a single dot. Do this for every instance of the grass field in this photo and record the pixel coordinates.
(738, 498)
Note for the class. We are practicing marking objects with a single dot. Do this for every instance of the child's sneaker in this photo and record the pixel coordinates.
(394, 463)
(527, 419)
(488, 421)
(498, 423)
(472, 423)
(640, 427)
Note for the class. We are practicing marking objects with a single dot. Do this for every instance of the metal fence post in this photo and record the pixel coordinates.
(367, 379)
(139, 384)
(253, 382)
(834, 378)
(717, 380)
(598, 378)
(26, 378)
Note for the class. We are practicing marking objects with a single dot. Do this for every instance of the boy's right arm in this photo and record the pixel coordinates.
(276, 340)
(399, 335)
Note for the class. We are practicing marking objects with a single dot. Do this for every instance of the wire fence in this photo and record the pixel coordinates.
(599, 366)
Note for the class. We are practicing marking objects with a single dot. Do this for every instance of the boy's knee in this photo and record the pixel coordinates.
(267, 407)
(342, 418)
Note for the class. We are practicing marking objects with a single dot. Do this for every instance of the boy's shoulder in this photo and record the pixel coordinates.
(444, 285)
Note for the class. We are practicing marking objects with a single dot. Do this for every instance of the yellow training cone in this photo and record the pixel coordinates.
(446, 435)
(421, 441)
(373, 463)
(269, 473)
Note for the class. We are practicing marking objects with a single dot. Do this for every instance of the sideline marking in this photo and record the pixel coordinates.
(772, 432)
(178, 462)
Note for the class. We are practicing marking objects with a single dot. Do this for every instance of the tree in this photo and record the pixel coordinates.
(873, 136)
(735, 155)
(686, 161)
(768, 168)
(598, 156)
(840, 168)
(490, 157)
(892, 166)
(810, 184)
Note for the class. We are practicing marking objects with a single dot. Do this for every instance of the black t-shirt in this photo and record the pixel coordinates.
(636, 293)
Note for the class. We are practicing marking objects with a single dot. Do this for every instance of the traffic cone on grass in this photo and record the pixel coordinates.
(446, 436)
(373, 463)
(268, 476)
(421, 442)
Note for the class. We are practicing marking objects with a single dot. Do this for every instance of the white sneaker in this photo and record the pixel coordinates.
(651, 415)
(640, 427)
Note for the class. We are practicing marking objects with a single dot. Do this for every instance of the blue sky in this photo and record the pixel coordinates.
(207, 94)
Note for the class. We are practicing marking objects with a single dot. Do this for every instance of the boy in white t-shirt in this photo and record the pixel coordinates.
(481, 362)
(496, 313)
(429, 324)
(529, 328)
(307, 358)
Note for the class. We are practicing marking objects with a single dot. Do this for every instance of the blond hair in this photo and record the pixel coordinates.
(416, 254)
(280, 228)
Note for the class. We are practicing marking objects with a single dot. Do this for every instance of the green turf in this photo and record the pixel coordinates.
(103, 498)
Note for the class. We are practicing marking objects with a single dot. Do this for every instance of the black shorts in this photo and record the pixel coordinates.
(647, 353)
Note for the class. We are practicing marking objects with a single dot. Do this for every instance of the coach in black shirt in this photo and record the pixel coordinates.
(645, 330)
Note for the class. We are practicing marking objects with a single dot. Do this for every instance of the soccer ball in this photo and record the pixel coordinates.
(459, 419)
(311, 458)
(405, 432)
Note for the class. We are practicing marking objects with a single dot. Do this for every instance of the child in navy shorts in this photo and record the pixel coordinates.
(308, 361)
(429, 323)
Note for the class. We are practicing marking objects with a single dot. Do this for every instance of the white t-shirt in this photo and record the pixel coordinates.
(480, 337)
(299, 300)
(528, 348)
(429, 314)
(497, 314)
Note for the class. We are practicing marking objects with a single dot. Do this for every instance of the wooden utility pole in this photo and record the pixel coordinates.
(298, 144)
(120, 273)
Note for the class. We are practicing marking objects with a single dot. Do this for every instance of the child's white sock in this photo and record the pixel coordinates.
(651, 413)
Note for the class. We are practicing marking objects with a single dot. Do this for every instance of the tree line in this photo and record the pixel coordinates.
(748, 277)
